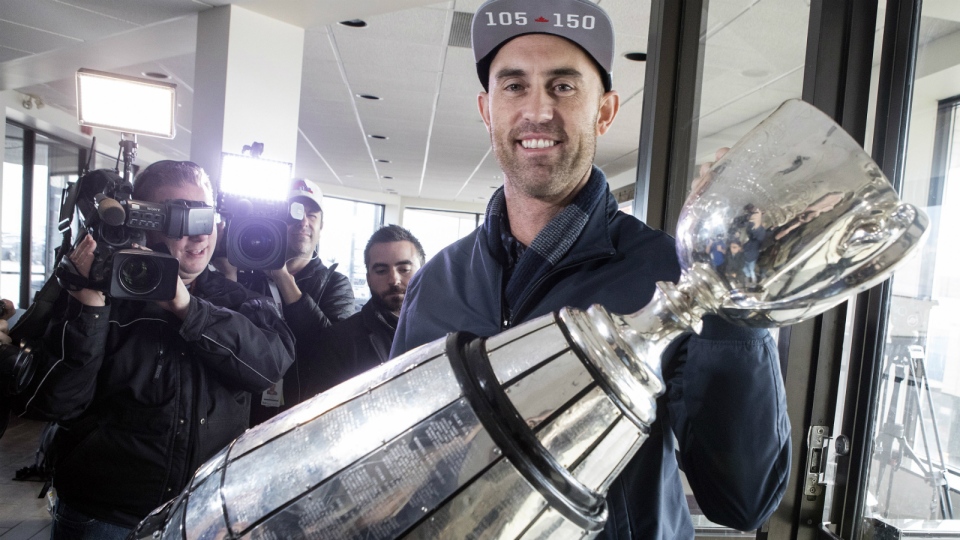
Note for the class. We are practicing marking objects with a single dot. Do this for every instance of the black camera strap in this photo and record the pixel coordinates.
(275, 293)
(69, 276)
(273, 396)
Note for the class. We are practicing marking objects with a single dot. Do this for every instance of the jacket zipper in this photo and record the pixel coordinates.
(509, 318)
(160, 359)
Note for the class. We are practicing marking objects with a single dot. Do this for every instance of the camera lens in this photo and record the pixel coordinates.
(16, 368)
(257, 243)
(140, 275)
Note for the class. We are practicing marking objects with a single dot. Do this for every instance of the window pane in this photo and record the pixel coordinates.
(347, 225)
(38, 216)
(437, 229)
(754, 55)
(917, 436)
(55, 164)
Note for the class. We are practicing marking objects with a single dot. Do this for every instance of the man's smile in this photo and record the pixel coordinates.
(537, 143)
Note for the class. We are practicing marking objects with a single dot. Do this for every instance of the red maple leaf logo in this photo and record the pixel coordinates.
(541, 19)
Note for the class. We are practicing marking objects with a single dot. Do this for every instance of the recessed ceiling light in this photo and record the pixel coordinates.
(387, 177)
(383, 161)
(368, 96)
(494, 187)
(755, 73)
(636, 56)
(381, 137)
(155, 75)
(354, 23)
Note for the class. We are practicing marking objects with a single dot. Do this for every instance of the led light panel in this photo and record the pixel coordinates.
(254, 178)
(127, 104)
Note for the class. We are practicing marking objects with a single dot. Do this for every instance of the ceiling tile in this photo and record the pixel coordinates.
(31, 40)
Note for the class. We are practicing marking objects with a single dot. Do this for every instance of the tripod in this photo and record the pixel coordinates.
(897, 431)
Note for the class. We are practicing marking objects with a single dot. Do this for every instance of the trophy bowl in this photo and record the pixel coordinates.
(792, 220)
(520, 435)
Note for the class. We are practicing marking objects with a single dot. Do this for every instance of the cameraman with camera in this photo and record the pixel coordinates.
(314, 296)
(147, 391)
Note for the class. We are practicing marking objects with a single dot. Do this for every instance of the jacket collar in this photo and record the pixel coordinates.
(375, 316)
(312, 267)
(593, 241)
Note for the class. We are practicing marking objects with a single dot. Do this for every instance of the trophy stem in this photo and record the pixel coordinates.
(624, 352)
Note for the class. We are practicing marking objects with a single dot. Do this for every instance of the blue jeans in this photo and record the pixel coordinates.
(750, 270)
(69, 524)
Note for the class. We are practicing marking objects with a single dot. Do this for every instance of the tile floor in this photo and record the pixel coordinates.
(22, 515)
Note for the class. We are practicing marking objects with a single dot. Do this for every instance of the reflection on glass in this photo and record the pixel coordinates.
(916, 452)
(753, 61)
(347, 225)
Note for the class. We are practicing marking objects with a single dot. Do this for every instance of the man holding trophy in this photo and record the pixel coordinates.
(556, 369)
(553, 237)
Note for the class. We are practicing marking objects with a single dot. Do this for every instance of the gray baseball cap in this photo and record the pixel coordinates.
(580, 21)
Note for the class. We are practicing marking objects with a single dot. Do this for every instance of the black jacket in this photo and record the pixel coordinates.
(327, 299)
(351, 347)
(144, 399)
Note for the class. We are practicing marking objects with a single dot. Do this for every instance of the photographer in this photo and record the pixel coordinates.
(144, 391)
(313, 296)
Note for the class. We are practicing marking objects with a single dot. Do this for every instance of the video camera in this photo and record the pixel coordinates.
(130, 105)
(118, 223)
(253, 202)
(17, 367)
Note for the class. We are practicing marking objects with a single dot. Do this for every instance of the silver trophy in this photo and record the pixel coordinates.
(520, 435)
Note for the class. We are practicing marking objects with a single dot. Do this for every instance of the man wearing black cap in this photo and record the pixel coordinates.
(553, 237)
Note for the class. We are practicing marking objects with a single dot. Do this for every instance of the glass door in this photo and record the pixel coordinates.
(915, 457)
(31, 208)
(753, 60)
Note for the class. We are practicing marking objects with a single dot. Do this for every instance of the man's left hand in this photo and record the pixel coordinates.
(8, 309)
(705, 174)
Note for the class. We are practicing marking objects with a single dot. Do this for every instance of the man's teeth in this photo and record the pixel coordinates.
(195, 251)
(537, 143)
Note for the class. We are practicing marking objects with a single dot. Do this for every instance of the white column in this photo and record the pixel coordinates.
(246, 86)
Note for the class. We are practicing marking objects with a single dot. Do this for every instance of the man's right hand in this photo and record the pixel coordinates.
(286, 284)
(221, 263)
(224, 267)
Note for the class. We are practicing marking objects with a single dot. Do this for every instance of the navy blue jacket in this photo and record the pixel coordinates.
(725, 400)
